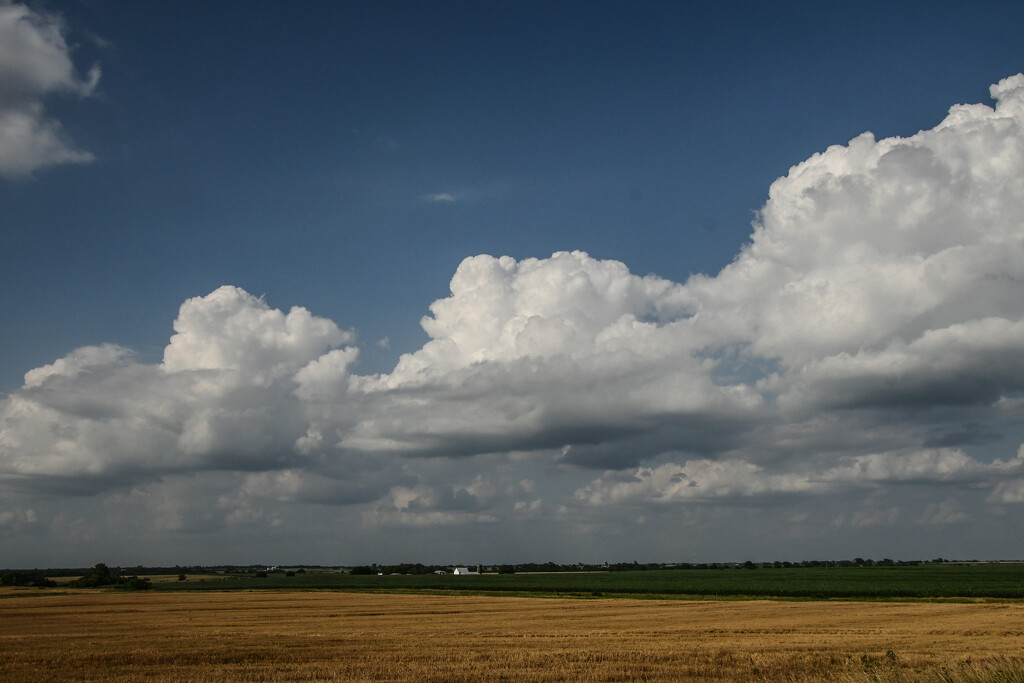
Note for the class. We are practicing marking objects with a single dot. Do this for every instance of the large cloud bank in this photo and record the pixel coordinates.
(870, 334)
(35, 62)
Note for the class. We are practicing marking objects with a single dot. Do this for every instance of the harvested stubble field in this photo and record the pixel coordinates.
(274, 636)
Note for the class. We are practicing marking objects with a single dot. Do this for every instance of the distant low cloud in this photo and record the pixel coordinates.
(876, 308)
(709, 480)
(440, 197)
(35, 62)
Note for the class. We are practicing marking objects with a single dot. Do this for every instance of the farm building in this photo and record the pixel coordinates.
(463, 571)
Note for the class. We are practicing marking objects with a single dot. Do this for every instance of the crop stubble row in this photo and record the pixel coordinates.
(262, 636)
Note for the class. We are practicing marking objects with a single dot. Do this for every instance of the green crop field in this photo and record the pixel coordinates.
(972, 581)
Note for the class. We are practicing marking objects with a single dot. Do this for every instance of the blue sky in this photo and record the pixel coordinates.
(290, 152)
(346, 158)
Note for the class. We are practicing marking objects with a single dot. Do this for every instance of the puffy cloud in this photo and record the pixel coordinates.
(880, 242)
(1008, 492)
(79, 360)
(696, 480)
(867, 338)
(543, 352)
(35, 61)
(570, 305)
(709, 480)
(427, 506)
(947, 512)
(933, 465)
(881, 274)
(482, 500)
(229, 329)
(223, 398)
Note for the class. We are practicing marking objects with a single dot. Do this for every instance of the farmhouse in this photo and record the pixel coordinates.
(463, 571)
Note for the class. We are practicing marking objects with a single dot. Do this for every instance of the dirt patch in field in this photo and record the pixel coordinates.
(263, 636)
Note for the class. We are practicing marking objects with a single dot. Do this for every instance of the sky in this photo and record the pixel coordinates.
(452, 282)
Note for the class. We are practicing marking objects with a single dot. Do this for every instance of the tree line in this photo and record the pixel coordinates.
(101, 575)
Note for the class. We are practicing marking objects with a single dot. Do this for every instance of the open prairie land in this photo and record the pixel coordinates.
(271, 636)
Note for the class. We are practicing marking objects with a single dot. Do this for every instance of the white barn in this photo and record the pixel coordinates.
(463, 571)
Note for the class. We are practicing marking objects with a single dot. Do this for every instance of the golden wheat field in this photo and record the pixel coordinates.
(329, 636)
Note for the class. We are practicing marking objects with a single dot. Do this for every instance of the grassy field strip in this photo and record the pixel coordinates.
(952, 581)
(260, 636)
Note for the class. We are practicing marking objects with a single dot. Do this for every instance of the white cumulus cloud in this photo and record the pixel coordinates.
(224, 397)
(869, 337)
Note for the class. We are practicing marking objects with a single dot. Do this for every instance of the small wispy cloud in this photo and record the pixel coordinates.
(439, 197)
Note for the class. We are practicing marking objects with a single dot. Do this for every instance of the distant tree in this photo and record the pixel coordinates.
(23, 578)
(100, 575)
(134, 583)
(362, 571)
